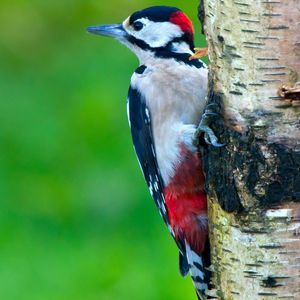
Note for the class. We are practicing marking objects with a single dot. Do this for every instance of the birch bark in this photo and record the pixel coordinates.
(254, 181)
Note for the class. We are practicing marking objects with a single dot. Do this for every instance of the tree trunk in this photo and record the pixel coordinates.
(254, 181)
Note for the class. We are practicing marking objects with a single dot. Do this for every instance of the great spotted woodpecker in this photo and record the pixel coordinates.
(165, 102)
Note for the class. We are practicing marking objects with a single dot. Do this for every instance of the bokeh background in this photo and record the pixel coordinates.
(76, 219)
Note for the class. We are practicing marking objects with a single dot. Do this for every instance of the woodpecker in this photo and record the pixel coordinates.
(166, 100)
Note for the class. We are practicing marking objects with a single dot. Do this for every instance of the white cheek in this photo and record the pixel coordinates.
(157, 34)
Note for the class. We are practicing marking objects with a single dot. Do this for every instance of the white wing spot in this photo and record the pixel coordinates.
(201, 286)
(159, 205)
(156, 186)
(164, 208)
(151, 190)
(147, 114)
(153, 151)
(128, 113)
(171, 230)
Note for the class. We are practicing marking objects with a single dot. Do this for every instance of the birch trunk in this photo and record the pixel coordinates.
(254, 181)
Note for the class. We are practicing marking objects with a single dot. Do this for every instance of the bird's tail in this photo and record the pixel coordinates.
(199, 273)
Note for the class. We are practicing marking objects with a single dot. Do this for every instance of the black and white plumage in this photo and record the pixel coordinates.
(141, 130)
(165, 101)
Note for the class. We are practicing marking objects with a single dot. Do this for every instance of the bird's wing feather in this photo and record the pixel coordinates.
(141, 131)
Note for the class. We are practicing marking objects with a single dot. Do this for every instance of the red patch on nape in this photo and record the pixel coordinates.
(180, 19)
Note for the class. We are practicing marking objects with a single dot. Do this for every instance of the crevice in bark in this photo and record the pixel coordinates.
(270, 171)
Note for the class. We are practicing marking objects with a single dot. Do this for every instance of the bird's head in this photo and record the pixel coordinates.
(160, 31)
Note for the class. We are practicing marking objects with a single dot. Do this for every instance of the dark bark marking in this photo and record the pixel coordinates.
(270, 282)
(201, 14)
(244, 13)
(230, 47)
(267, 58)
(250, 272)
(242, 155)
(234, 259)
(249, 21)
(280, 27)
(255, 231)
(271, 80)
(249, 30)
(253, 276)
(267, 294)
(267, 38)
(253, 265)
(240, 84)
(275, 74)
(256, 84)
(254, 44)
(236, 93)
(235, 293)
(276, 98)
(272, 68)
(241, 3)
(221, 39)
(271, 246)
(271, 15)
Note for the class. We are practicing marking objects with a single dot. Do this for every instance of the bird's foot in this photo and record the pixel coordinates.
(209, 136)
(199, 53)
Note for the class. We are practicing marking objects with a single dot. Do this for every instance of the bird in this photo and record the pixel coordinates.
(166, 111)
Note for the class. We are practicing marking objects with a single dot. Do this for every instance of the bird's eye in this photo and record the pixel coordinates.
(138, 26)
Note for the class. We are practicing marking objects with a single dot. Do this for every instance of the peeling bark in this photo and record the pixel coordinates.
(254, 181)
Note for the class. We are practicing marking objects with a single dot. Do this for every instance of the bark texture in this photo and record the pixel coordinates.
(254, 181)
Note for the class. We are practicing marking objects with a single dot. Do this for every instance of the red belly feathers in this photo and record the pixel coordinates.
(186, 201)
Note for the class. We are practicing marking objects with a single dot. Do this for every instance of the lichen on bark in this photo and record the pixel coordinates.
(254, 181)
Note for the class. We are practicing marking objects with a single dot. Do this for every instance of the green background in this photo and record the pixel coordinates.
(76, 219)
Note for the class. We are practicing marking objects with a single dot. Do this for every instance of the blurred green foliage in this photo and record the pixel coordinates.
(76, 219)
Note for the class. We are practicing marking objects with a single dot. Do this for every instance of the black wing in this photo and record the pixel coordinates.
(141, 131)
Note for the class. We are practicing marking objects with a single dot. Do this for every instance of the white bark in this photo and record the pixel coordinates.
(254, 51)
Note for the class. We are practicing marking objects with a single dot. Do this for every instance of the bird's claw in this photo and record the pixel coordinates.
(209, 136)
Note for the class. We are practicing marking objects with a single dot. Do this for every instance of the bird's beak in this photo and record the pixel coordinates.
(112, 30)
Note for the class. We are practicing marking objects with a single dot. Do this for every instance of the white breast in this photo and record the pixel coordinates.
(175, 94)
